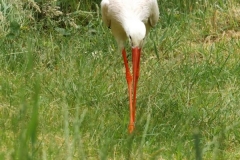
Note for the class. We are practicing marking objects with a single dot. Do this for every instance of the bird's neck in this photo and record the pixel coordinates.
(132, 25)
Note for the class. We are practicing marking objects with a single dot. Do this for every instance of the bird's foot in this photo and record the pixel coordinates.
(131, 128)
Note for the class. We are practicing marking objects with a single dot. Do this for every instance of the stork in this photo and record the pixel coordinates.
(132, 20)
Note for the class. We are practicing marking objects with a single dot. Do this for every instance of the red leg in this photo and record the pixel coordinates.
(129, 82)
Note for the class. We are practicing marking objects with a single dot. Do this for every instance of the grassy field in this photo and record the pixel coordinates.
(63, 93)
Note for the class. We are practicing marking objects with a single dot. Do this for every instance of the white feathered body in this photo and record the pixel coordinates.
(124, 17)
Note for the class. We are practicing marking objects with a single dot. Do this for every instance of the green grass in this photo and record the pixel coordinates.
(63, 93)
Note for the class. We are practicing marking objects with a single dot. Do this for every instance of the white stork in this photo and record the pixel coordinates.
(130, 19)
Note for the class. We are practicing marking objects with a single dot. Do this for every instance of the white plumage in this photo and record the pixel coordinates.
(130, 19)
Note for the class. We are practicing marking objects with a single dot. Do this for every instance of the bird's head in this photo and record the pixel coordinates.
(136, 32)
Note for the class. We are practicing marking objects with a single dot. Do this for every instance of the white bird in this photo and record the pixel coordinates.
(130, 19)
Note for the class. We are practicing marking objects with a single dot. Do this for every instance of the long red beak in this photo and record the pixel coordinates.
(135, 64)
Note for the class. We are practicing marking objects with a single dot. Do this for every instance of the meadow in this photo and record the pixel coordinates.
(63, 92)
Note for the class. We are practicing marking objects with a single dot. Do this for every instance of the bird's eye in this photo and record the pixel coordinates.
(130, 37)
